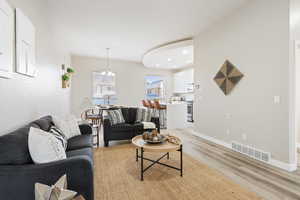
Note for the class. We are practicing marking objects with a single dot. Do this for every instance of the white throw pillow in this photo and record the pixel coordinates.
(44, 147)
(68, 126)
(149, 125)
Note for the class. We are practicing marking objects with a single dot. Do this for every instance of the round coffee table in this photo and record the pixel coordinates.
(164, 147)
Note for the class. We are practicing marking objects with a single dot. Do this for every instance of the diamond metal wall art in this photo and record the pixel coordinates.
(228, 77)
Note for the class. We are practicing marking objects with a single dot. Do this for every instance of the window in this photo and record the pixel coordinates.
(104, 89)
(155, 88)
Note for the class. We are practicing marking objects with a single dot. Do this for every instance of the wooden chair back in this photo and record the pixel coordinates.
(145, 103)
(151, 105)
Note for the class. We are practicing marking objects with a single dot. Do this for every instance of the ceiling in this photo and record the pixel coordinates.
(132, 27)
(171, 56)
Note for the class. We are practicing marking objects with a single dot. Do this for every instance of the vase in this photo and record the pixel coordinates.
(65, 84)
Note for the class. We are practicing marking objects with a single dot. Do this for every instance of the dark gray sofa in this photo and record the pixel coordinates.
(127, 130)
(18, 173)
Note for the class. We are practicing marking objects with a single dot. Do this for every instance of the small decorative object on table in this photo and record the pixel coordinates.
(153, 137)
(56, 192)
(173, 140)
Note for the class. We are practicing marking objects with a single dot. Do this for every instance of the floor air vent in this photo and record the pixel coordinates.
(251, 152)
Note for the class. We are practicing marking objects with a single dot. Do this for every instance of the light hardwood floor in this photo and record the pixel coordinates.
(268, 182)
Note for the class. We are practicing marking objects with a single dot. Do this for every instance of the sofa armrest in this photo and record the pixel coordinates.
(156, 121)
(85, 129)
(17, 181)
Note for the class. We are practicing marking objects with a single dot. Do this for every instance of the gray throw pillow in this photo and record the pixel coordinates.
(56, 132)
(143, 115)
(115, 117)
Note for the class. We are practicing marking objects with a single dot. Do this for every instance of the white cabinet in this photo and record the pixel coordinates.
(183, 81)
(6, 39)
(177, 116)
(178, 82)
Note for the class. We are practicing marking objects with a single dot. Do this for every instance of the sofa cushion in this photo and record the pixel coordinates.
(129, 115)
(144, 115)
(115, 116)
(44, 123)
(127, 127)
(68, 125)
(80, 141)
(14, 147)
(81, 152)
(44, 147)
(149, 125)
(122, 127)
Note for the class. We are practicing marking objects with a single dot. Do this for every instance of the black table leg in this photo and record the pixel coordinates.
(141, 156)
(142, 164)
(181, 160)
(98, 139)
(168, 156)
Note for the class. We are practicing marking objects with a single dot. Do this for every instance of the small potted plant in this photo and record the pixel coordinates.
(65, 80)
(70, 71)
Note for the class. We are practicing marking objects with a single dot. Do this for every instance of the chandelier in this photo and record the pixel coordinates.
(108, 72)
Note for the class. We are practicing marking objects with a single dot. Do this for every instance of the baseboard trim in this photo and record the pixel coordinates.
(275, 163)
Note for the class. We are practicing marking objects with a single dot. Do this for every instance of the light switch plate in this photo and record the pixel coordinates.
(228, 116)
(276, 99)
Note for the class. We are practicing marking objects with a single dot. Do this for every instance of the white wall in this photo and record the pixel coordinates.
(130, 80)
(256, 40)
(24, 99)
(295, 56)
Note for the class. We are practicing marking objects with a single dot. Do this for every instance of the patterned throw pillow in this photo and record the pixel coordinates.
(115, 117)
(68, 125)
(44, 147)
(59, 135)
(143, 115)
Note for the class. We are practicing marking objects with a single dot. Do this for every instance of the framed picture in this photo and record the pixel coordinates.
(7, 39)
(25, 45)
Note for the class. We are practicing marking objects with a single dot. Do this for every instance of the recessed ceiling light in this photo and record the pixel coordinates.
(169, 59)
(184, 51)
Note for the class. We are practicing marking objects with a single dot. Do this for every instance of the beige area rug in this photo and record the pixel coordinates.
(117, 176)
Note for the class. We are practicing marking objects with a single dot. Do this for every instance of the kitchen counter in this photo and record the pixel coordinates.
(177, 115)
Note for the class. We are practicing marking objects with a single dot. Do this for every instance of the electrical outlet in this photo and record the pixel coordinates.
(228, 116)
(244, 136)
(227, 131)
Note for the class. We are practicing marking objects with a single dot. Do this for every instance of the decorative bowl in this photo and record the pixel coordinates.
(156, 140)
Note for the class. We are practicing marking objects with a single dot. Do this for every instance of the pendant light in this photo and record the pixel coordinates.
(108, 72)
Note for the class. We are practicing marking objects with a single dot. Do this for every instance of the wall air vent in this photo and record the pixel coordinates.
(251, 152)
